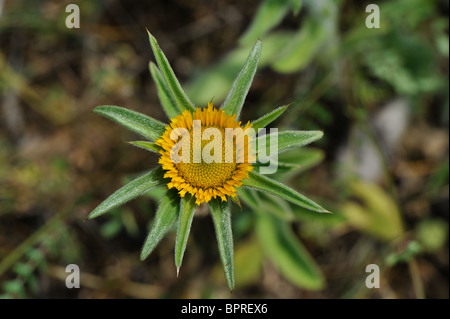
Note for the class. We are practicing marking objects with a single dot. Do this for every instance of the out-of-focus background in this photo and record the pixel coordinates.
(379, 94)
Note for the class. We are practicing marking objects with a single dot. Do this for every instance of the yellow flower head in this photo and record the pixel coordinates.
(205, 156)
(195, 174)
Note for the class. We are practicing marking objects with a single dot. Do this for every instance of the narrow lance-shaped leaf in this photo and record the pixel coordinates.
(131, 190)
(262, 183)
(165, 97)
(236, 97)
(149, 146)
(172, 82)
(165, 218)
(265, 120)
(287, 140)
(184, 226)
(288, 253)
(134, 121)
(221, 215)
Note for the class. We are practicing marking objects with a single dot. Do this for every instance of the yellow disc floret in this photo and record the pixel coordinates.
(197, 173)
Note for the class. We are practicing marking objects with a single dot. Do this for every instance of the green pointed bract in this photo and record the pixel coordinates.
(181, 99)
(262, 183)
(131, 190)
(184, 226)
(287, 140)
(165, 218)
(235, 99)
(221, 215)
(149, 146)
(134, 121)
(164, 94)
(265, 120)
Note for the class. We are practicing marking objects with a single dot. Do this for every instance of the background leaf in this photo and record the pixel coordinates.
(378, 215)
(302, 48)
(287, 253)
(269, 14)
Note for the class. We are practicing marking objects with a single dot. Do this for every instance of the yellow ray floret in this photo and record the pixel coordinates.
(201, 178)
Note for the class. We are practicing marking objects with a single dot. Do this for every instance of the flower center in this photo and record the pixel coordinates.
(203, 174)
(218, 160)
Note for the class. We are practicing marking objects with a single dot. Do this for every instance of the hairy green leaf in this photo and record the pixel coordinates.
(165, 97)
(262, 183)
(235, 99)
(134, 121)
(221, 215)
(165, 218)
(172, 82)
(128, 192)
(149, 146)
(266, 203)
(265, 120)
(184, 226)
